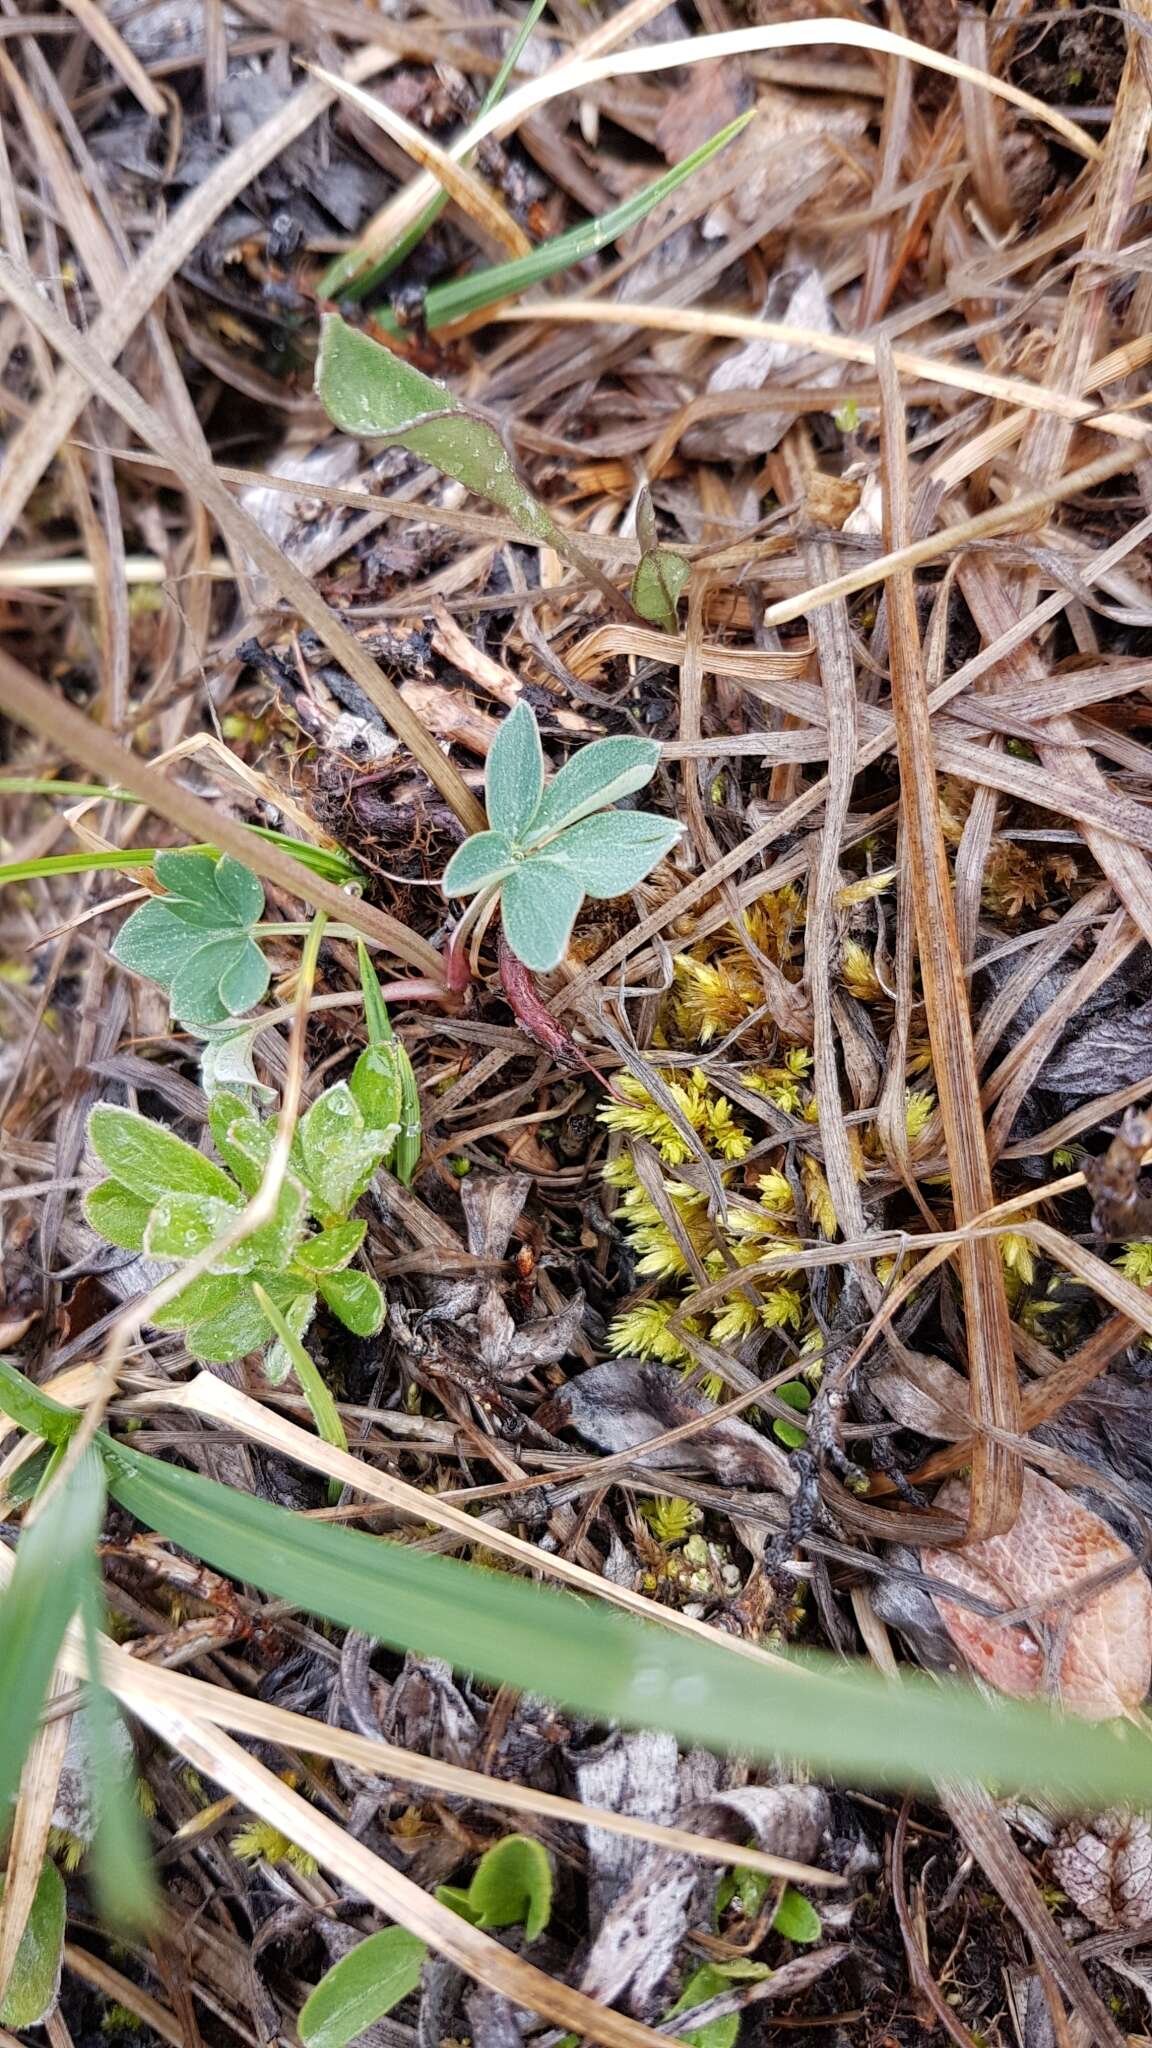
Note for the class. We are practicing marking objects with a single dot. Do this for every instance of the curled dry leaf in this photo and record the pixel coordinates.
(1105, 1866)
(1092, 1654)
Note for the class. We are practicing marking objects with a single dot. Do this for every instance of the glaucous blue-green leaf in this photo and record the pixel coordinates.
(613, 850)
(35, 1979)
(596, 775)
(150, 1161)
(196, 940)
(330, 1250)
(355, 1298)
(225, 976)
(183, 1226)
(226, 1060)
(363, 1986)
(657, 586)
(119, 1216)
(514, 778)
(538, 908)
(339, 1156)
(484, 858)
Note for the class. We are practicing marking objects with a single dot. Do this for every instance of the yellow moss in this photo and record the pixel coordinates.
(858, 973)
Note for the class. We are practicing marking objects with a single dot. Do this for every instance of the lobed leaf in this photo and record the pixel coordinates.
(595, 776)
(611, 851)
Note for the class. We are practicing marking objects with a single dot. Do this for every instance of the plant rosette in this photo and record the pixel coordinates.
(547, 848)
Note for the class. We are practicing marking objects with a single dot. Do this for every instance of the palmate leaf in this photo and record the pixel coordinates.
(196, 941)
(611, 852)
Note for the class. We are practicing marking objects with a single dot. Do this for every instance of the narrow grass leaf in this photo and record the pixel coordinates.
(119, 1859)
(314, 1388)
(851, 1723)
(44, 1594)
(35, 1980)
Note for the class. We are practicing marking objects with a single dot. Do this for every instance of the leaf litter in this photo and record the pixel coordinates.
(800, 457)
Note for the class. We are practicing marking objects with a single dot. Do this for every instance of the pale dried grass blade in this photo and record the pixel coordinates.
(471, 194)
(996, 1473)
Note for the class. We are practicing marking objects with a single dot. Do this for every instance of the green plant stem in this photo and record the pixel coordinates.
(314, 1388)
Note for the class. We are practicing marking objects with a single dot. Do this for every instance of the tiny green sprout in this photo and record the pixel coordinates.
(548, 848)
(847, 416)
(670, 1519)
(794, 1394)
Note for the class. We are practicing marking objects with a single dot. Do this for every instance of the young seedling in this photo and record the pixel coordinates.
(547, 849)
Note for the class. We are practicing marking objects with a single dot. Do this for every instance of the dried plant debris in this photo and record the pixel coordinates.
(645, 511)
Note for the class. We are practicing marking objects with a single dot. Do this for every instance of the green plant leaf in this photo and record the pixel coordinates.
(611, 851)
(484, 858)
(119, 1216)
(313, 1386)
(32, 1410)
(338, 1155)
(658, 585)
(243, 1140)
(363, 1986)
(237, 1327)
(795, 1918)
(513, 1884)
(182, 1226)
(35, 1980)
(796, 1395)
(298, 1311)
(335, 866)
(331, 1249)
(464, 295)
(226, 1060)
(538, 908)
(196, 941)
(41, 1599)
(843, 1721)
(149, 1160)
(709, 1981)
(514, 778)
(211, 1295)
(121, 1867)
(354, 1297)
(595, 776)
(376, 1085)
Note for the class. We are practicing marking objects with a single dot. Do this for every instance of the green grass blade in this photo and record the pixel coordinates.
(321, 1406)
(320, 860)
(376, 1018)
(606, 1664)
(341, 277)
(466, 295)
(45, 1590)
(32, 1410)
(35, 785)
(120, 1863)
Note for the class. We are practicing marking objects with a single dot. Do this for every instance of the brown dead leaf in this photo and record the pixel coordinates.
(1092, 1654)
(1105, 1866)
(711, 96)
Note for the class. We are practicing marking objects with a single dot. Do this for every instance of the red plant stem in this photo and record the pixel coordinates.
(535, 1018)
